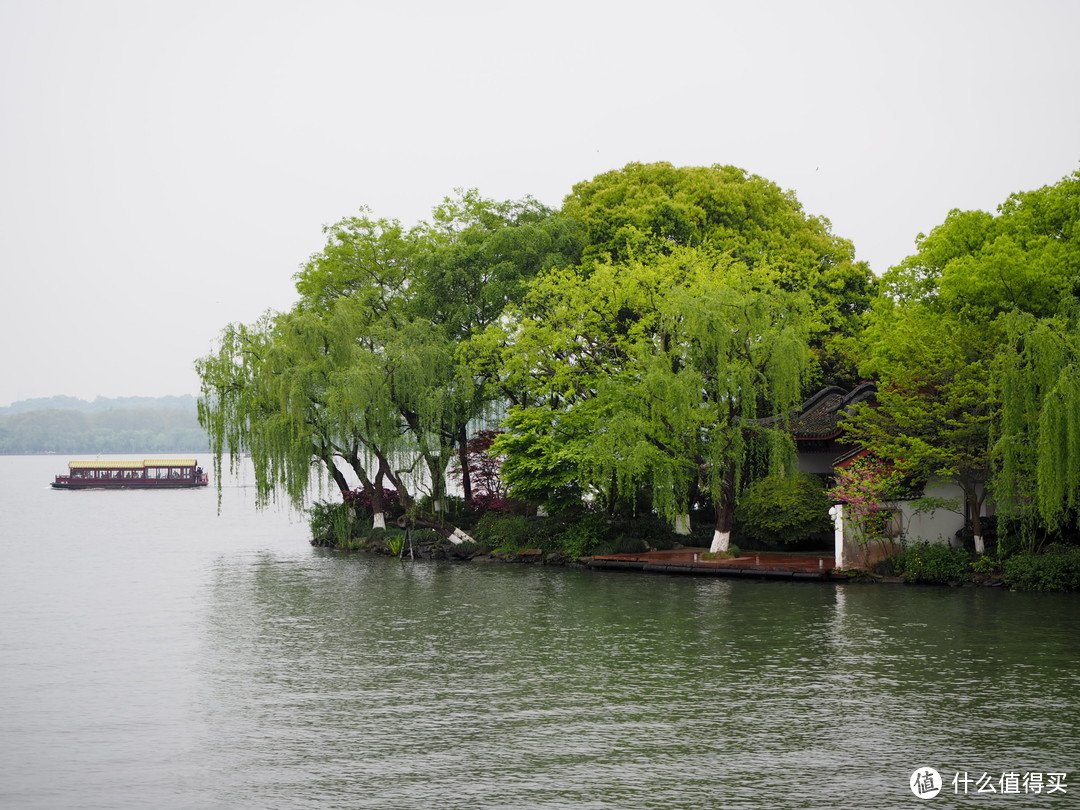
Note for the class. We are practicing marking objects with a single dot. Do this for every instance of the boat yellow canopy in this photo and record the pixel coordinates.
(131, 465)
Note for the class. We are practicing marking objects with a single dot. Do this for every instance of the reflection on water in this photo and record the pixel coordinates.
(358, 682)
(153, 654)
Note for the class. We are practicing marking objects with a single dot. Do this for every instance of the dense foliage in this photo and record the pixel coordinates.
(1056, 570)
(785, 509)
(369, 373)
(651, 379)
(976, 349)
(934, 564)
(640, 352)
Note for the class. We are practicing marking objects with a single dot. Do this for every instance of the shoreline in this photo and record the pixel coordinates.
(772, 566)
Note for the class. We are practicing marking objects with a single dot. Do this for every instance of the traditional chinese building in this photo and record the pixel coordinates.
(819, 438)
(816, 427)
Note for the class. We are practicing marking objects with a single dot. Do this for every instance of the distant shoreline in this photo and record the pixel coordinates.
(67, 426)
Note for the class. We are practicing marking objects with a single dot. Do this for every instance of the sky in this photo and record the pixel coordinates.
(167, 167)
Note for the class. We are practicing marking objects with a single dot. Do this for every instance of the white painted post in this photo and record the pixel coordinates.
(836, 512)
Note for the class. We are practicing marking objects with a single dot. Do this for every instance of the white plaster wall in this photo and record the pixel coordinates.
(939, 526)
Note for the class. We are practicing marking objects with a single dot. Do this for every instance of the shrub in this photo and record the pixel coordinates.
(427, 537)
(396, 543)
(511, 532)
(332, 524)
(389, 538)
(935, 563)
(732, 552)
(785, 509)
(575, 534)
(986, 566)
(583, 533)
(1056, 570)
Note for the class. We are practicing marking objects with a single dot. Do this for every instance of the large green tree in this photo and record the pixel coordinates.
(656, 364)
(654, 374)
(368, 369)
(935, 403)
(974, 345)
(644, 210)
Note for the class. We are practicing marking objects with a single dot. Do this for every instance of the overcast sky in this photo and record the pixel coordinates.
(166, 167)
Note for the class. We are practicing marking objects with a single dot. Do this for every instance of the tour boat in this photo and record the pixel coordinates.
(151, 473)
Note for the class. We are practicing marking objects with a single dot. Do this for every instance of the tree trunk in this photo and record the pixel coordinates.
(403, 493)
(463, 460)
(975, 502)
(977, 531)
(725, 514)
(378, 515)
(437, 471)
(452, 533)
(721, 539)
(339, 478)
(457, 536)
(682, 524)
(372, 489)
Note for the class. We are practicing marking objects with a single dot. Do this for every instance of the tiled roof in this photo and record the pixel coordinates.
(819, 417)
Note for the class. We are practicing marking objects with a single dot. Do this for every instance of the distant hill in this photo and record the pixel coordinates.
(73, 426)
(185, 402)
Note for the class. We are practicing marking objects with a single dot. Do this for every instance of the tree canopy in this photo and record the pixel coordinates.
(367, 368)
(644, 210)
(974, 345)
(653, 375)
(1026, 258)
(643, 346)
(935, 402)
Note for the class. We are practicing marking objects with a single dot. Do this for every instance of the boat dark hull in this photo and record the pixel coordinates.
(163, 484)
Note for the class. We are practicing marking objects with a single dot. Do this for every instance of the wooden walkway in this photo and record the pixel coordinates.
(754, 564)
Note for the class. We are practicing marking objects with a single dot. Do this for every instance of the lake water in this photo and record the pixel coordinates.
(156, 655)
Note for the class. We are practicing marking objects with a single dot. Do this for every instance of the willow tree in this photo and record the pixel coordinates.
(234, 406)
(655, 374)
(973, 344)
(1038, 441)
(367, 368)
(268, 391)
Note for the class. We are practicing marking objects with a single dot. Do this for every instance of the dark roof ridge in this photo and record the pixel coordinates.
(819, 417)
(818, 396)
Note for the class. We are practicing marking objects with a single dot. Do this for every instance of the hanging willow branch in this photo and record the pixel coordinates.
(1038, 441)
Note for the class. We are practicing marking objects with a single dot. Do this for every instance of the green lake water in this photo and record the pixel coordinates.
(155, 654)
